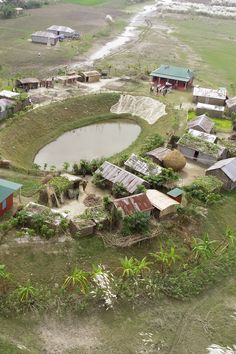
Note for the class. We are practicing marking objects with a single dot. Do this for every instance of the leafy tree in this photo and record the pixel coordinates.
(166, 175)
(78, 278)
(136, 223)
(119, 191)
(8, 10)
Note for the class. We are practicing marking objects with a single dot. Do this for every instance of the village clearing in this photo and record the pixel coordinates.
(162, 325)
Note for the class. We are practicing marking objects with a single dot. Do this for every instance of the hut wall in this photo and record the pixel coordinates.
(211, 112)
(186, 151)
(227, 183)
(209, 100)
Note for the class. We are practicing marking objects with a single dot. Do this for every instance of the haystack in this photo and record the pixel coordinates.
(174, 160)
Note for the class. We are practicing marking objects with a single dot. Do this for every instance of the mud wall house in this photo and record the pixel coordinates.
(139, 165)
(113, 174)
(164, 206)
(90, 76)
(231, 105)
(178, 77)
(210, 96)
(27, 83)
(133, 204)
(158, 155)
(210, 109)
(43, 37)
(7, 190)
(202, 123)
(200, 150)
(224, 170)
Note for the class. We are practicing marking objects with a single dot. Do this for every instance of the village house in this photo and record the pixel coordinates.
(210, 109)
(202, 124)
(133, 204)
(6, 107)
(158, 155)
(7, 190)
(201, 150)
(27, 83)
(139, 165)
(211, 138)
(231, 105)
(179, 78)
(90, 76)
(43, 37)
(164, 206)
(176, 194)
(63, 31)
(224, 170)
(210, 96)
(68, 79)
(113, 174)
(9, 94)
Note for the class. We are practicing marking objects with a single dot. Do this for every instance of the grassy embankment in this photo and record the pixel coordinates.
(34, 129)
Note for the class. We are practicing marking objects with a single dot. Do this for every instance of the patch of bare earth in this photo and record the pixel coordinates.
(59, 337)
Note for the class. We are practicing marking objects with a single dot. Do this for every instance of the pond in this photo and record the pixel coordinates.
(90, 142)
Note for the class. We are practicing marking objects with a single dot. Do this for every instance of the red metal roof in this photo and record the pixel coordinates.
(133, 204)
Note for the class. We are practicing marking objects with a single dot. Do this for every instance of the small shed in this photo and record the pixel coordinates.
(164, 206)
(90, 76)
(28, 83)
(7, 190)
(141, 166)
(134, 203)
(212, 110)
(176, 194)
(47, 83)
(10, 95)
(179, 78)
(114, 174)
(63, 31)
(202, 123)
(225, 170)
(201, 150)
(158, 154)
(67, 79)
(231, 104)
(43, 37)
(210, 96)
(211, 138)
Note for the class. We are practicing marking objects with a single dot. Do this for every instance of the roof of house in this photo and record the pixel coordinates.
(9, 94)
(159, 153)
(5, 103)
(210, 107)
(211, 138)
(141, 166)
(220, 93)
(173, 72)
(176, 192)
(134, 203)
(29, 80)
(160, 200)
(60, 29)
(7, 188)
(44, 34)
(202, 121)
(228, 166)
(91, 73)
(199, 144)
(231, 102)
(116, 174)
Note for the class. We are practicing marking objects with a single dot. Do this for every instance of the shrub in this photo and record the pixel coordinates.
(119, 191)
(166, 175)
(99, 181)
(205, 189)
(152, 142)
(8, 10)
(141, 189)
(136, 223)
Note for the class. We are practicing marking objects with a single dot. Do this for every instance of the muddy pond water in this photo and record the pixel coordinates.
(89, 142)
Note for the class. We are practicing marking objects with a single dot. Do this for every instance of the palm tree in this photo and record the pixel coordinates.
(26, 293)
(78, 278)
(203, 247)
(128, 266)
(5, 278)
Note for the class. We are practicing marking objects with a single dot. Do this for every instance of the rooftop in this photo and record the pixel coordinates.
(231, 102)
(44, 34)
(7, 188)
(228, 166)
(159, 153)
(133, 204)
(210, 107)
(91, 73)
(173, 72)
(141, 166)
(9, 94)
(29, 80)
(202, 135)
(60, 29)
(176, 192)
(160, 200)
(220, 93)
(202, 121)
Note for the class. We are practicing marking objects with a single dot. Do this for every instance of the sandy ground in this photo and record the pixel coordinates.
(190, 172)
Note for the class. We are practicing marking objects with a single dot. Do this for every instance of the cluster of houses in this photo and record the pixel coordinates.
(11, 102)
(54, 34)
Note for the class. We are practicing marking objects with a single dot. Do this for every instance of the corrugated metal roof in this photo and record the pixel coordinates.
(220, 93)
(228, 166)
(202, 135)
(29, 80)
(44, 34)
(60, 29)
(141, 166)
(7, 188)
(159, 153)
(116, 174)
(173, 72)
(9, 94)
(134, 203)
(202, 121)
(176, 192)
(160, 200)
(231, 102)
(210, 107)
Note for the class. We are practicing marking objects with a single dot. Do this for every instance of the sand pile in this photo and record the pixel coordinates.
(145, 107)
